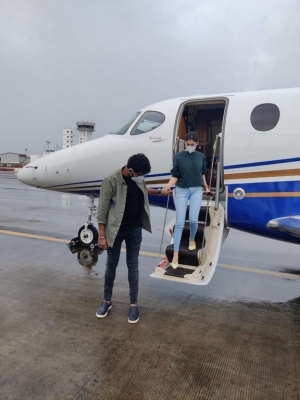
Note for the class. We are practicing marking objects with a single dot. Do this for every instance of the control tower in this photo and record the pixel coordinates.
(85, 130)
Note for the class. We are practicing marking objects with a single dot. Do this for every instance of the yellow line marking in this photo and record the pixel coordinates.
(150, 254)
(157, 255)
(52, 239)
(30, 236)
(261, 271)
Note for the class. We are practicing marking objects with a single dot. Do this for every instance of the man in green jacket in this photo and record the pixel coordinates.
(123, 212)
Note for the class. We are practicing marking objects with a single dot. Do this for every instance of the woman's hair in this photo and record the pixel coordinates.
(139, 163)
(191, 135)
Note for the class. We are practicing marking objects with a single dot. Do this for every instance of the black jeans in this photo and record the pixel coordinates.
(133, 239)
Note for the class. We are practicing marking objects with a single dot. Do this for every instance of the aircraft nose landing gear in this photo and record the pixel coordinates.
(88, 233)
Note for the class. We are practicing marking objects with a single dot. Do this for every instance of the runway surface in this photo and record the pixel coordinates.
(237, 338)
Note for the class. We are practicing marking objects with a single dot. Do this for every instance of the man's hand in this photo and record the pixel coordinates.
(102, 243)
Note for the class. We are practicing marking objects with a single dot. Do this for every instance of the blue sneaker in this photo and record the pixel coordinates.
(133, 315)
(102, 311)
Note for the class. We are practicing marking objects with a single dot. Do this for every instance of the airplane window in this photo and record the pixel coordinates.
(149, 120)
(265, 117)
(124, 128)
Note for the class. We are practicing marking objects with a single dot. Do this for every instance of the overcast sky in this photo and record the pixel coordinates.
(62, 61)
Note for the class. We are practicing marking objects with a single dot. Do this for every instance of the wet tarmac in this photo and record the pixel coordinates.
(237, 338)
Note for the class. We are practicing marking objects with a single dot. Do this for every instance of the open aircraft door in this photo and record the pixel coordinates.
(198, 266)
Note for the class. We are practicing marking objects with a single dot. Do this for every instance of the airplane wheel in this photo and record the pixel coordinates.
(88, 235)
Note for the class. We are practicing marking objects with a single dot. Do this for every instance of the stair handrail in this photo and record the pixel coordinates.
(219, 163)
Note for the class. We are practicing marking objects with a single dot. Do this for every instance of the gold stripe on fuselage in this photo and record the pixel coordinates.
(227, 176)
(262, 174)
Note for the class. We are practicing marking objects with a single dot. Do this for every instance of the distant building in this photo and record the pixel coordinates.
(68, 138)
(13, 159)
(46, 152)
(85, 130)
(34, 157)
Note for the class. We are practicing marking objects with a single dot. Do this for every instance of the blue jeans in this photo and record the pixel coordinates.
(194, 195)
(133, 240)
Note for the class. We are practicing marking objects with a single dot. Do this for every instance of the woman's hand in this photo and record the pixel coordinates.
(166, 190)
(208, 192)
(102, 243)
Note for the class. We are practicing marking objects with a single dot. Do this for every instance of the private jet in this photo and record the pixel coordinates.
(250, 141)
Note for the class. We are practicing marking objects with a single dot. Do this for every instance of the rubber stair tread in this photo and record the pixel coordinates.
(186, 257)
(178, 272)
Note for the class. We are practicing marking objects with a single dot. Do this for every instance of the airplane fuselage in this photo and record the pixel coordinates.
(260, 157)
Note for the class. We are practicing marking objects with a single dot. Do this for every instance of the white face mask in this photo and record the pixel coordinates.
(190, 149)
(138, 179)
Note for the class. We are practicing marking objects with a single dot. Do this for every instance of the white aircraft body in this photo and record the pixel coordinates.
(251, 142)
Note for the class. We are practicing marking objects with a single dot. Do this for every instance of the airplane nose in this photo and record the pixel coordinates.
(27, 175)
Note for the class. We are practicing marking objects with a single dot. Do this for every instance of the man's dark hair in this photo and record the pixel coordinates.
(191, 135)
(139, 163)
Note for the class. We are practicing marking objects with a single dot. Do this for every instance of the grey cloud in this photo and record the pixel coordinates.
(72, 60)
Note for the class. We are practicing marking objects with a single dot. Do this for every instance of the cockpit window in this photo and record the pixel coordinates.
(149, 120)
(124, 128)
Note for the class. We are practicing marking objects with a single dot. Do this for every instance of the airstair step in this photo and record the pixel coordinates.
(186, 256)
(178, 272)
(185, 238)
(188, 270)
(202, 215)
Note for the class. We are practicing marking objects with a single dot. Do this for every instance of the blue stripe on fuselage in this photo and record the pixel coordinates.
(261, 163)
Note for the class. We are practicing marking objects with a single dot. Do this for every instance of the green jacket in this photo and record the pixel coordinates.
(112, 205)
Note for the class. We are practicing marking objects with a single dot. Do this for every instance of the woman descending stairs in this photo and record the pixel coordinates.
(196, 266)
(187, 258)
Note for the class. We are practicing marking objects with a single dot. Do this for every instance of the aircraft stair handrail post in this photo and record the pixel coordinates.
(216, 199)
(220, 161)
(163, 229)
(217, 187)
